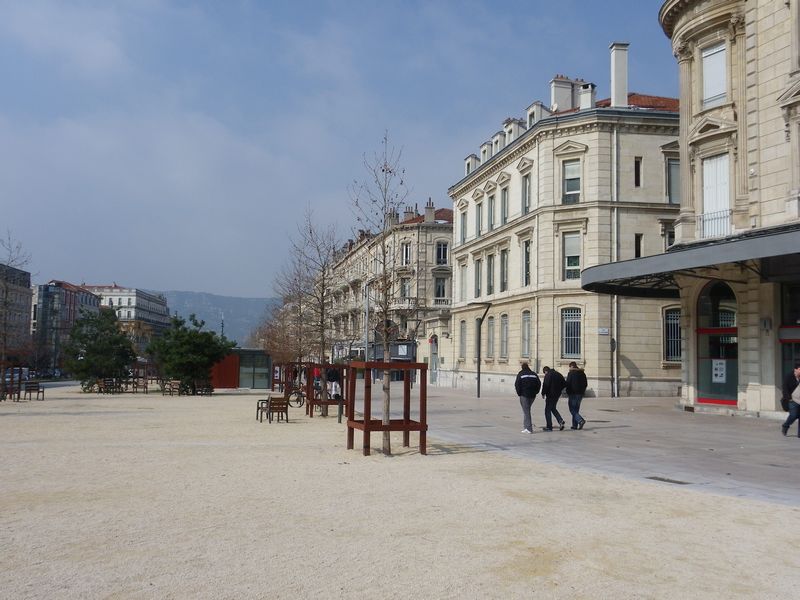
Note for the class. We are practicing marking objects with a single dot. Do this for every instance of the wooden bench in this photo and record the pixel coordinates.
(278, 406)
(29, 388)
(110, 386)
(171, 387)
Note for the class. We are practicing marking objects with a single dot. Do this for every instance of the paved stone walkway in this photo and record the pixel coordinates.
(639, 438)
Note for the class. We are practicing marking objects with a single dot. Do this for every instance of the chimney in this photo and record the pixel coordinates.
(408, 213)
(561, 93)
(587, 95)
(392, 218)
(619, 74)
(430, 212)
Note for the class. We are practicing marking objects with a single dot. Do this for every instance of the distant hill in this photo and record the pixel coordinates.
(241, 315)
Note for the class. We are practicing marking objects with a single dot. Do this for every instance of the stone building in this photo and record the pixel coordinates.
(142, 314)
(735, 264)
(577, 182)
(56, 307)
(419, 246)
(15, 313)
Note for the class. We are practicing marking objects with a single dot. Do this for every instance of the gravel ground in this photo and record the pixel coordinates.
(144, 496)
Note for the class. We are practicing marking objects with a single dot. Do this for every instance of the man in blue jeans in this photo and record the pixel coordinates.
(790, 384)
(576, 386)
(527, 386)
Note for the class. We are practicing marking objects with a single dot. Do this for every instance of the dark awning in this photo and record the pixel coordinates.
(653, 276)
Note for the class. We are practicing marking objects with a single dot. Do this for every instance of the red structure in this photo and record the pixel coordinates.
(406, 424)
(225, 374)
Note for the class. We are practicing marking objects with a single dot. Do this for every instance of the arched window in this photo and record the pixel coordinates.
(525, 334)
(672, 335)
(503, 336)
(490, 337)
(570, 333)
(462, 339)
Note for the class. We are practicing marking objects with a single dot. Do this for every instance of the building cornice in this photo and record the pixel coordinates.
(560, 126)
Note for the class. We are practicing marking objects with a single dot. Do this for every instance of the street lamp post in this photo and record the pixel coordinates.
(488, 305)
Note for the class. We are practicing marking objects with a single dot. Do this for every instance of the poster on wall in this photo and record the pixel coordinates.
(718, 371)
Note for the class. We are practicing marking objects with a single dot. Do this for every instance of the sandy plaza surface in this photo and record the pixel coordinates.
(146, 496)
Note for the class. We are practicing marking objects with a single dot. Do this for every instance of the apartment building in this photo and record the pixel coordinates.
(576, 182)
(55, 308)
(142, 314)
(735, 264)
(419, 257)
(15, 313)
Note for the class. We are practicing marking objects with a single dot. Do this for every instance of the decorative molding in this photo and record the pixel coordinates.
(490, 186)
(462, 204)
(570, 147)
(503, 178)
(581, 223)
(477, 194)
(683, 50)
(525, 164)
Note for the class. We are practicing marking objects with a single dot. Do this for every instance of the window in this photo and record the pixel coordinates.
(669, 238)
(462, 281)
(503, 270)
(571, 181)
(490, 214)
(462, 340)
(504, 206)
(129, 301)
(715, 220)
(405, 249)
(525, 334)
(570, 333)
(440, 287)
(526, 263)
(715, 81)
(478, 219)
(637, 244)
(129, 314)
(490, 337)
(672, 335)
(490, 274)
(503, 336)
(572, 256)
(405, 288)
(463, 227)
(478, 277)
(637, 171)
(673, 181)
(441, 253)
(526, 193)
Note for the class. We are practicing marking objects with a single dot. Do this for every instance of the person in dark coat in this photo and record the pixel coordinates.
(552, 386)
(527, 386)
(790, 395)
(334, 383)
(576, 386)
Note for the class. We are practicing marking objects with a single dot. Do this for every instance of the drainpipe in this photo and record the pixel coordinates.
(615, 258)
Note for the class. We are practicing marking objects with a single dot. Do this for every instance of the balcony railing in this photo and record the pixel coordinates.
(441, 301)
(716, 224)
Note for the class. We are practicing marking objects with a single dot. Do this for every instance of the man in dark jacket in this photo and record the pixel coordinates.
(552, 386)
(790, 384)
(576, 386)
(527, 386)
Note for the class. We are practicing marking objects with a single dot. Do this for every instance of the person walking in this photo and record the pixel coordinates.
(576, 386)
(527, 386)
(791, 395)
(552, 386)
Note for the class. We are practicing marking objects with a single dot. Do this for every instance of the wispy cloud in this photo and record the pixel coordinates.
(87, 41)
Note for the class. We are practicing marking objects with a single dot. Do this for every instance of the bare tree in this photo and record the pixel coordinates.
(14, 257)
(289, 321)
(376, 203)
(315, 249)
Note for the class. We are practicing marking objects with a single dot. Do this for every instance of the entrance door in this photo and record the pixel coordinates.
(434, 366)
(717, 346)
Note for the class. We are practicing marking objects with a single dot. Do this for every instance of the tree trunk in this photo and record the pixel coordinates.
(387, 435)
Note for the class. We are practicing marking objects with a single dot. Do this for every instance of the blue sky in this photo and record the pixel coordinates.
(173, 145)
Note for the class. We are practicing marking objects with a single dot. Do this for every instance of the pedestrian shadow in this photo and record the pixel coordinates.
(452, 449)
